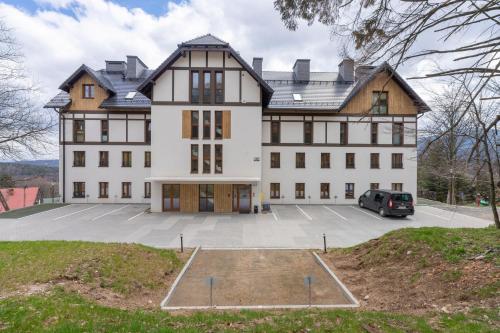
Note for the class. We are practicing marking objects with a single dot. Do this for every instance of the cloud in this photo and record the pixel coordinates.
(63, 34)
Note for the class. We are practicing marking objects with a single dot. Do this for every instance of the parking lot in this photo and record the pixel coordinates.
(288, 226)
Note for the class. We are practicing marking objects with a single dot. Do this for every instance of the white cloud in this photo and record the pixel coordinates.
(55, 42)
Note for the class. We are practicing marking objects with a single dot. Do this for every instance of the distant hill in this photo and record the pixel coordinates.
(48, 163)
(47, 169)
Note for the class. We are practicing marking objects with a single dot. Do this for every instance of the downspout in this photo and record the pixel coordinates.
(63, 154)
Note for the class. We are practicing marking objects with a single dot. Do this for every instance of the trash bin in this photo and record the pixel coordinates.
(255, 209)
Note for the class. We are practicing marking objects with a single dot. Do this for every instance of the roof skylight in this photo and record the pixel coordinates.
(297, 97)
(130, 95)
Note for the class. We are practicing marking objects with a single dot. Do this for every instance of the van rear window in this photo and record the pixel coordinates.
(404, 197)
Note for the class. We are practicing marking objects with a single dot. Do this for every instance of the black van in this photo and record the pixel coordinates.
(387, 202)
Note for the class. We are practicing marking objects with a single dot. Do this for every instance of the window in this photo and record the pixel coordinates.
(344, 134)
(104, 131)
(379, 102)
(147, 159)
(88, 91)
(275, 132)
(308, 132)
(194, 124)
(78, 158)
(397, 161)
(103, 159)
(325, 160)
(126, 159)
(126, 190)
(147, 190)
(297, 97)
(103, 189)
(218, 158)
(397, 187)
(206, 198)
(206, 158)
(349, 161)
(397, 134)
(78, 190)
(374, 186)
(147, 131)
(300, 160)
(194, 158)
(325, 191)
(218, 125)
(219, 88)
(195, 87)
(374, 161)
(275, 191)
(206, 125)
(349, 190)
(79, 130)
(207, 87)
(374, 133)
(300, 190)
(275, 160)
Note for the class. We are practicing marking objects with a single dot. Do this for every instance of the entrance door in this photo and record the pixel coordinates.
(242, 198)
(171, 197)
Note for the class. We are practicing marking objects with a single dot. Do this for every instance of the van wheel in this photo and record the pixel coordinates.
(361, 204)
(381, 211)
(403, 216)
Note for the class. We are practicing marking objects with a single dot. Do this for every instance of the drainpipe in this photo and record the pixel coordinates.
(63, 153)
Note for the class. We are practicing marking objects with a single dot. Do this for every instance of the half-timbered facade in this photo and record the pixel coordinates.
(206, 131)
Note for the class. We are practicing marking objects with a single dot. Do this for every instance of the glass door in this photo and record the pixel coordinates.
(242, 198)
(171, 197)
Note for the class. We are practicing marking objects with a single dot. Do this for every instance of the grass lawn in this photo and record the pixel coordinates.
(22, 212)
(65, 312)
(129, 270)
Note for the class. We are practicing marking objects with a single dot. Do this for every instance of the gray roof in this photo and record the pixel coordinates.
(116, 84)
(97, 76)
(205, 40)
(324, 91)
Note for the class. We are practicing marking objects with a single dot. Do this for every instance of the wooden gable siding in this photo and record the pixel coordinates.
(399, 101)
(76, 95)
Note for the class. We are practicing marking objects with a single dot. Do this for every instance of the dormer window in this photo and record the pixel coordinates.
(379, 102)
(297, 97)
(88, 91)
(130, 95)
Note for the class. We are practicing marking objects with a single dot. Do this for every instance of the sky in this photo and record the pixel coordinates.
(57, 36)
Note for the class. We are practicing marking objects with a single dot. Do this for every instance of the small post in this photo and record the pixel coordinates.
(211, 291)
(310, 296)
(324, 243)
(182, 244)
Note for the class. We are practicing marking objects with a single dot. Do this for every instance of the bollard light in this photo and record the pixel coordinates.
(324, 243)
(182, 244)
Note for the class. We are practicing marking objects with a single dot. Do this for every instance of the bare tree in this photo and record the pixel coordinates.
(454, 139)
(24, 127)
(392, 30)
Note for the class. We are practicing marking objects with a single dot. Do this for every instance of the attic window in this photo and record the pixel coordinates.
(297, 97)
(130, 95)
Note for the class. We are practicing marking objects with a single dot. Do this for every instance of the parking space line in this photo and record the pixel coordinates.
(369, 214)
(111, 212)
(304, 213)
(275, 216)
(334, 212)
(45, 211)
(79, 211)
(133, 217)
(442, 218)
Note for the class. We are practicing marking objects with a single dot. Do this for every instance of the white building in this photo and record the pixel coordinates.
(205, 131)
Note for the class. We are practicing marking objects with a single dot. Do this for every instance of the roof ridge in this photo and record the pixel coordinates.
(206, 36)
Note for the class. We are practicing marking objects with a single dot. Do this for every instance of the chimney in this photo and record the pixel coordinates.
(257, 65)
(135, 67)
(362, 71)
(346, 69)
(301, 70)
(113, 66)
